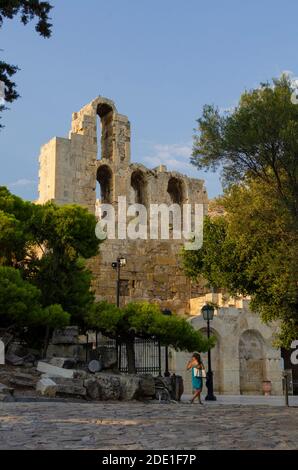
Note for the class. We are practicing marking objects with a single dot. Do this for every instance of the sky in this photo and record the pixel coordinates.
(160, 61)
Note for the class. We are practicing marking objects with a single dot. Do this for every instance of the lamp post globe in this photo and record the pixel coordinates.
(208, 314)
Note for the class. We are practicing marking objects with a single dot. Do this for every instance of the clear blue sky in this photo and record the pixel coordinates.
(159, 60)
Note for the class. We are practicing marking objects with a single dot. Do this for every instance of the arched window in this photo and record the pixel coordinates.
(105, 132)
(105, 185)
(139, 186)
(252, 362)
(175, 190)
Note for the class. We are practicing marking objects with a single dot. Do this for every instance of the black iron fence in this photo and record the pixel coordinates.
(147, 355)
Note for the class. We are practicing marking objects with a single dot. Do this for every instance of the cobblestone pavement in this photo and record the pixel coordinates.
(250, 400)
(125, 426)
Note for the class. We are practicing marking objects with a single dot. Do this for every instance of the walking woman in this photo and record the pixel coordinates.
(197, 373)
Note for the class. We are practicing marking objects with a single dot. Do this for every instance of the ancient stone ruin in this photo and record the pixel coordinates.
(97, 154)
(70, 170)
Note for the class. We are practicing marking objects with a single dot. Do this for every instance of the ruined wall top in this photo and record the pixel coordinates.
(99, 106)
(115, 130)
(98, 152)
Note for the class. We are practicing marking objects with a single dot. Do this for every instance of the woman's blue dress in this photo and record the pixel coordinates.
(197, 382)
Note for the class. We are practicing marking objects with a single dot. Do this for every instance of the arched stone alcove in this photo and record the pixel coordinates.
(252, 362)
(104, 178)
(176, 191)
(139, 187)
(105, 131)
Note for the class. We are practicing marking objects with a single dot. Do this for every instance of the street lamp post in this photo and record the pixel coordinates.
(118, 265)
(167, 373)
(208, 313)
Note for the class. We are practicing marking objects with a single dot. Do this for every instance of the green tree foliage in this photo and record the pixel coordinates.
(48, 245)
(27, 11)
(144, 320)
(258, 139)
(7, 71)
(16, 232)
(252, 250)
(20, 304)
(66, 282)
(68, 230)
(66, 237)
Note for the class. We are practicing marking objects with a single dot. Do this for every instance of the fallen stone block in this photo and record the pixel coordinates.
(67, 335)
(6, 398)
(130, 387)
(18, 349)
(13, 359)
(54, 371)
(5, 375)
(67, 386)
(23, 380)
(64, 362)
(67, 381)
(81, 374)
(105, 386)
(4, 389)
(46, 387)
(29, 359)
(109, 386)
(18, 355)
(76, 351)
(92, 388)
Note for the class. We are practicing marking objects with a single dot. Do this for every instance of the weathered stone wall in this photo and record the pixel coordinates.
(47, 171)
(69, 172)
(152, 273)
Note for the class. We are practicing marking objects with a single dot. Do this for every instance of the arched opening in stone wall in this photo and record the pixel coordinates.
(176, 190)
(104, 187)
(105, 132)
(252, 362)
(139, 187)
(216, 361)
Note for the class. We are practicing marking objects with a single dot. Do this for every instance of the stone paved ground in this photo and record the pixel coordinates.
(124, 426)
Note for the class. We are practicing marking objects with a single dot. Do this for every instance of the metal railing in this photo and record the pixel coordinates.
(147, 354)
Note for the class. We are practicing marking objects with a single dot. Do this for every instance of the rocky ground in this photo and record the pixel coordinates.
(150, 426)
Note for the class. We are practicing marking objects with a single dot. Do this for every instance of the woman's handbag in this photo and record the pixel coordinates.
(200, 372)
